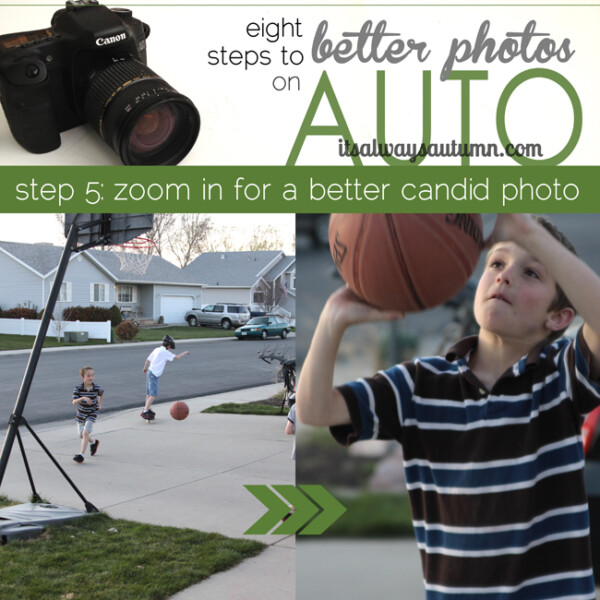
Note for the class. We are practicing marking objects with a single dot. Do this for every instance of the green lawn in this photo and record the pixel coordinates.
(182, 332)
(248, 408)
(113, 559)
(25, 342)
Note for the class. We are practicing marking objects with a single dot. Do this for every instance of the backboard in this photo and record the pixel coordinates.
(107, 229)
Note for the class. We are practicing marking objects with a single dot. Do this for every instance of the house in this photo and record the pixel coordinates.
(264, 280)
(97, 277)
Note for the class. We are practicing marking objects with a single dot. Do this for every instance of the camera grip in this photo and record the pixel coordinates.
(30, 116)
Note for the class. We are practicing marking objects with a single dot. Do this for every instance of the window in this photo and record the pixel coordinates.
(219, 308)
(65, 292)
(99, 292)
(259, 297)
(126, 293)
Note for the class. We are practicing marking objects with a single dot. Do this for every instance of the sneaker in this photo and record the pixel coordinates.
(94, 447)
(152, 413)
(147, 414)
(78, 458)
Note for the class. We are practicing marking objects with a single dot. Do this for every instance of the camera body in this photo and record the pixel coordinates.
(45, 74)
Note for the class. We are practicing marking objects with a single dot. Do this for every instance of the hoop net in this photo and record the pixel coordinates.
(135, 255)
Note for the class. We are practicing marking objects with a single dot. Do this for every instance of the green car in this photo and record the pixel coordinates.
(263, 327)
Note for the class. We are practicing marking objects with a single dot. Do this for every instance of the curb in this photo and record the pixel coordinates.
(101, 346)
(123, 345)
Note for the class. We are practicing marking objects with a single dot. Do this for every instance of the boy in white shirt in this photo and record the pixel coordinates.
(154, 367)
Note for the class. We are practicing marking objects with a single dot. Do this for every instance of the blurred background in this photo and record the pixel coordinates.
(370, 551)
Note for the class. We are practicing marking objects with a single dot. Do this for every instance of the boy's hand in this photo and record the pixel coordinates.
(510, 228)
(346, 308)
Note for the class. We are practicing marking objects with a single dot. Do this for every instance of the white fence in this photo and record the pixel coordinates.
(95, 330)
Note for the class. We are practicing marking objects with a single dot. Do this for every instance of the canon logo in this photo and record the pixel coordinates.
(111, 40)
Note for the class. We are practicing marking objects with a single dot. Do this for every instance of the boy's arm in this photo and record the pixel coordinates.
(100, 401)
(180, 355)
(146, 365)
(579, 282)
(317, 401)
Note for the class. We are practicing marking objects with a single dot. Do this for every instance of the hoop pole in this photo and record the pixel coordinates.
(34, 357)
(88, 505)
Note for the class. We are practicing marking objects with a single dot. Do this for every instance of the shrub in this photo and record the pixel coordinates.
(87, 313)
(126, 330)
(20, 313)
(115, 315)
(41, 314)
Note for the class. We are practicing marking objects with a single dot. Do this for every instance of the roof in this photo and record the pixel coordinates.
(159, 270)
(44, 258)
(233, 269)
(280, 268)
(227, 269)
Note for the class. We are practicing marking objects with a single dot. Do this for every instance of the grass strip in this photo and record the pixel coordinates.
(25, 342)
(272, 406)
(181, 333)
(112, 559)
(375, 516)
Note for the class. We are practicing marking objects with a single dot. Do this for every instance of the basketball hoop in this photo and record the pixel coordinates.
(135, 255)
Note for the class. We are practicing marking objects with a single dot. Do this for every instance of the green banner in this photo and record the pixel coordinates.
(307, 500)
(263, 189)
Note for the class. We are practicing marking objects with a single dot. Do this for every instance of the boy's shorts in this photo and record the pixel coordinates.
(87, 426)
(151, 384)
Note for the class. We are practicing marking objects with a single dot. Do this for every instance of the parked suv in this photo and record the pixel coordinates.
(225, 314)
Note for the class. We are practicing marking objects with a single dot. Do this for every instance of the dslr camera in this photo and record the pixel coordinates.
(90, 66)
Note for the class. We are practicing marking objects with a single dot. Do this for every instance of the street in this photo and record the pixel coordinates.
(213, 366)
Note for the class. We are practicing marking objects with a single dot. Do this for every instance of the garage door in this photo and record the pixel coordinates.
(175, 307)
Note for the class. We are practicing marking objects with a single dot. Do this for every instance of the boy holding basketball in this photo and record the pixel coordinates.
(490, 432)
(87, 396)
(153, 368)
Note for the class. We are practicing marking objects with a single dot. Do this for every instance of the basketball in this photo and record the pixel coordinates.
(406, 262)
(179, 410)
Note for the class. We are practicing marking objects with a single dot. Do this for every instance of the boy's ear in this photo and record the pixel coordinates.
(560, 319)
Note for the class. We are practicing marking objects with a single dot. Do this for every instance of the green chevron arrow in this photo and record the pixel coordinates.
(307, 501)
(277, 509)
(305, 509)
(332, 509)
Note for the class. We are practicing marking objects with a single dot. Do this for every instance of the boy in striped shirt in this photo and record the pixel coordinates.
(491, 432)
(87, 397)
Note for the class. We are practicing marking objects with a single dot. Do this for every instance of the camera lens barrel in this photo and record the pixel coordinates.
(140, 115)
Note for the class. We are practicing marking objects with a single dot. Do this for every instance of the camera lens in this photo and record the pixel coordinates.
(140, 115)
(153, 129)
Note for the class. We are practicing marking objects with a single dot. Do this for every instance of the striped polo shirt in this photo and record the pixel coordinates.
(87, 412)
(495, 477)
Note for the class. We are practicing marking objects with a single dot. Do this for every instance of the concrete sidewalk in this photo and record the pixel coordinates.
(187, 473)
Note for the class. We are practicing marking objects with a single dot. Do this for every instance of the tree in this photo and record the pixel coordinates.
(232, 239)
(189, 238)
(163, 228)
(222, 240)
(264, 237)
(268, 295)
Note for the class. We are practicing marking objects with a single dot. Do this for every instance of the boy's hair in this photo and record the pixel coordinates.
(84, 370)
(560, 300)
(168, 342)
